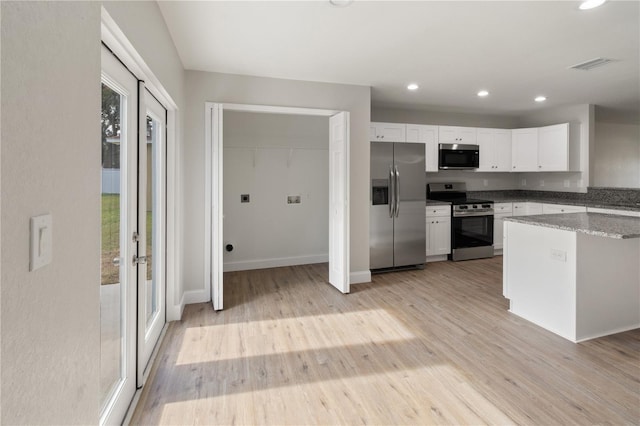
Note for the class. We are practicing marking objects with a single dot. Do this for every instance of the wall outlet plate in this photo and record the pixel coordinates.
(567, 183)
(244, 198)
(293, 199)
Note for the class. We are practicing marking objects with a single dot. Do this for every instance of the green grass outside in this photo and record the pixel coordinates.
(111, 239)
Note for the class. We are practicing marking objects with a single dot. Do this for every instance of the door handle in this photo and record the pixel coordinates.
(397, 191)
(116, 261)
(391, 199)
(137, 260)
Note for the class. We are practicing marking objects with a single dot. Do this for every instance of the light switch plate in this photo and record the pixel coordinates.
(41, 241)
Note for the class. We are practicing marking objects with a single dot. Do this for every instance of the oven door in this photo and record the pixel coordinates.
(471, 231)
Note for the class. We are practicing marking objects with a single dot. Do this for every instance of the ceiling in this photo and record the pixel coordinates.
(514, 49)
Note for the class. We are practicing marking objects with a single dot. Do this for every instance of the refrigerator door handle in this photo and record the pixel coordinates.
(397, 192)
(391, 199)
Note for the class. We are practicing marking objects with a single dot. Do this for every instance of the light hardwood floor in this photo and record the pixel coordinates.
(434, 346)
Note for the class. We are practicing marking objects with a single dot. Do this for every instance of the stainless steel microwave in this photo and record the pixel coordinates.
(457, 156)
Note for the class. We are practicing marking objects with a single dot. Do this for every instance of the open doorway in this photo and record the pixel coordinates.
(337, 186)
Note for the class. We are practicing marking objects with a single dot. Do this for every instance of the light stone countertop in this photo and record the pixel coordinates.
(603, 225)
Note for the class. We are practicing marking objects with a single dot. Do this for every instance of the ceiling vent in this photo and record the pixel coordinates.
(591, 64)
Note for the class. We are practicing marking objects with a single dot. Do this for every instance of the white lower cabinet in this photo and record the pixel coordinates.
(526, 209)
(501, 210)
(438, 238)
(562, 208)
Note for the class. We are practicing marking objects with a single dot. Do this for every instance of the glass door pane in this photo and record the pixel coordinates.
(154, 133)
(110, 288)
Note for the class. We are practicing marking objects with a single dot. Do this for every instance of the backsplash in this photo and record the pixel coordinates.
(615, 196)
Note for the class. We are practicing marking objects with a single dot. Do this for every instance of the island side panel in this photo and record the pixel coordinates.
(608, 291)
(540, 275)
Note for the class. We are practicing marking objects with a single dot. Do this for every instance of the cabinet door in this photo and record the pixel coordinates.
(389, 132)
(485, 140)
(501, 150)
(428, 135)
(467, 134)
(553, 148)
(448, 134)
(519, 209)
(524, 144)
(498, 231)
(441, 235)
(430, 222)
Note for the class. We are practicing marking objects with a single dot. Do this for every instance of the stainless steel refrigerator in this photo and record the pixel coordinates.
(397, 210)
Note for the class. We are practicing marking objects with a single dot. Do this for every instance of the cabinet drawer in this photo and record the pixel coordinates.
(613, 211)
(500, 208)
(561, 208)
(434, 211)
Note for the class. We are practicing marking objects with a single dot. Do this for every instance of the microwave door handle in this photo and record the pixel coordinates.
(397, 191)
(391, 197)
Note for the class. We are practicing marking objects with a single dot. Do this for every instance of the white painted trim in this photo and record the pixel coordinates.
(120, 45)
(209, 212)
(196, 296)
(437, 258)
(275, 262)
(607, 333)
(280, 110)
(360, 277)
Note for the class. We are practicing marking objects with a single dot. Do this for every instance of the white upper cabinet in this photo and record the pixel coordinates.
(524, 144)
(387, 132)
(453, 134)
(553, 148)
(544, 149)
(428, 135)
(495, 150)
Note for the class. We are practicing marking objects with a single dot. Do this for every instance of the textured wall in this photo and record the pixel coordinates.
(51, 164)
(617, 155)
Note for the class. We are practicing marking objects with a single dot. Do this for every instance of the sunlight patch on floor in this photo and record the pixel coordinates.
(267, 337)
(437, 394)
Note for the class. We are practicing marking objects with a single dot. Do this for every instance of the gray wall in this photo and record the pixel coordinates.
(51, 164)
(269, 157)
(213, 87)
(616, 155)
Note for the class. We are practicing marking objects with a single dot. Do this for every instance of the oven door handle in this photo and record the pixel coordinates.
(473, 213)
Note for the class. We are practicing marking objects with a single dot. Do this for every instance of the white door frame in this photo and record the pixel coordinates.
(213, 264)
(117, 41)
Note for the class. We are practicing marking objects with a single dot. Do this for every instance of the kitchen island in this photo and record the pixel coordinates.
(577, 275)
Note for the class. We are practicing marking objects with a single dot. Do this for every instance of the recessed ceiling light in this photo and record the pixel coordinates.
(540, 98)
(590, 4)
(412, 86)
(340, 3)
(483, 93)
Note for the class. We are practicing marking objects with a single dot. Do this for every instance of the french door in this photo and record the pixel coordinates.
(132, 272)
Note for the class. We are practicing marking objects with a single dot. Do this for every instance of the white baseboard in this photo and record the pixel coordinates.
(359, 277)
(195, 296)
(174, 312)
(275, 263)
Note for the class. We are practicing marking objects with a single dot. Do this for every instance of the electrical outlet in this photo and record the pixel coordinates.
(541, 182)
(485, 182)
(523, 182)
(559, 255)
(244, 198)
(567, 183)
(293, 199)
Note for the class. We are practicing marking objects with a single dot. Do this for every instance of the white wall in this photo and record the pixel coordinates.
(271, 156)
(616, 155)
(202, 87)
(51, 164)
(581, 138)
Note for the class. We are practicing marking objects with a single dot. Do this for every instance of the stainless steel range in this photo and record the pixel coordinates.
(471, 221)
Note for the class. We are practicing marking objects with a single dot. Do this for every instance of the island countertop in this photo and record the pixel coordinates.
(603, 225)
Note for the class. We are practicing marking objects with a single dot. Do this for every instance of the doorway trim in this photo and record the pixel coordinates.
(119, 44)
(213, 198)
